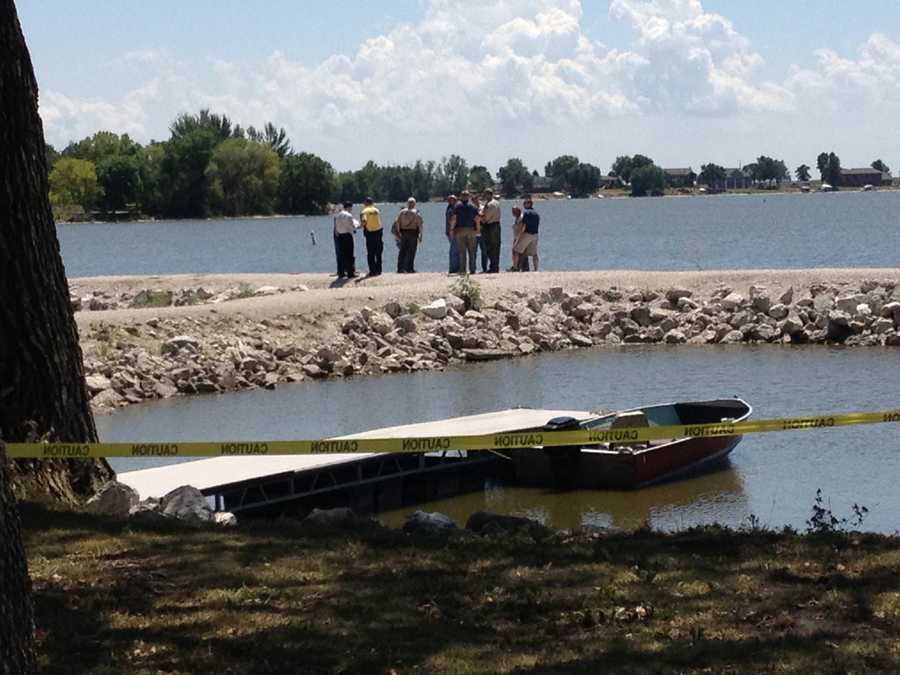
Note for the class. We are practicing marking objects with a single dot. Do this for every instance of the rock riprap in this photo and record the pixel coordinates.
(159, 358)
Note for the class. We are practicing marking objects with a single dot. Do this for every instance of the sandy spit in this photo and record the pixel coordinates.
(326, 294)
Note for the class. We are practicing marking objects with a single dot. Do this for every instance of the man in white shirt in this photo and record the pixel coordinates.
(345, 225)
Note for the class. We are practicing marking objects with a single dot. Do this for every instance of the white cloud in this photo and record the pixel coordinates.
(526, 67)
(840, 83)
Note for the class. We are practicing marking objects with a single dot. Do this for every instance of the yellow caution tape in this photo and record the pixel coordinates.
(501, 441)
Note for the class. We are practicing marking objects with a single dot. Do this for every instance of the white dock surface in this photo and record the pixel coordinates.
(204, 474)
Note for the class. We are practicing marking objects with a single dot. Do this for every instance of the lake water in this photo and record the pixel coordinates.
(773, 477)
(672, 233)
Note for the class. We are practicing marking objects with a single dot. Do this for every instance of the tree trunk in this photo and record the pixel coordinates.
(42, 389)
(16, 616)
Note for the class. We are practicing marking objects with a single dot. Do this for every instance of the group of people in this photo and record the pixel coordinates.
(471, 224)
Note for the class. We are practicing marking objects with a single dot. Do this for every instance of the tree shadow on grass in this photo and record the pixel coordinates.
(276, 597)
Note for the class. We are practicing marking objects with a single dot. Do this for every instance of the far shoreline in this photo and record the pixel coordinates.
(538, 198)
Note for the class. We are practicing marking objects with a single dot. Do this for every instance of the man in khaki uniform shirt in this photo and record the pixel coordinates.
(409, 226)
(490, 233)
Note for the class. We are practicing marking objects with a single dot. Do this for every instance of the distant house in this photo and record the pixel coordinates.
(682, 178)
(738, 179)
(861, 177)
(541, 184)
(611, 182)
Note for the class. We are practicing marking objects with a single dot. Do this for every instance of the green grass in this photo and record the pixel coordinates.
(274, 597)
(245, 290)
(147, 298)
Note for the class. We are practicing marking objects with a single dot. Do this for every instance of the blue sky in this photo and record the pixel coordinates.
(682, 80)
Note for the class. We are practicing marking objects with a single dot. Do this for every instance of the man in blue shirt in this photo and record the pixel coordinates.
(527, 242)
(454, 251)
(464, 228)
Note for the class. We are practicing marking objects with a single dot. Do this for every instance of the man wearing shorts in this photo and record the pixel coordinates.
(527, 243)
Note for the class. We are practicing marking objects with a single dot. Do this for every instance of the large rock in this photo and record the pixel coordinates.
(225, 518)
(405, 323)
(354, 323)
(891, 310)
(759, 299)
(484, 522)
(108, 398)
(147, 512)
(674, 337)
(732, 301)
(422, 521)
(849, 303)
(583, 310)
(186, 503)
(97, 383)
(640, 315)
(823, 302)
(381, 323)
(779, 311)
(882, 326)
(838, 327)
(673, 295)
(188, 342)
(475, 315)
(114, 499)
(456, 303)
(581, 340)
(732, 337)
(436, 309)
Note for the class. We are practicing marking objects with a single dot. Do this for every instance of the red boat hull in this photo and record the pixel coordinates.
(623, 468)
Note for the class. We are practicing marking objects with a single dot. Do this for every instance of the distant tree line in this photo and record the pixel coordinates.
(210, 166)
(207, 167)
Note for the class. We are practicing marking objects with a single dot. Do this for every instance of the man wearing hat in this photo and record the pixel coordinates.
(408, 227)
(371, 220)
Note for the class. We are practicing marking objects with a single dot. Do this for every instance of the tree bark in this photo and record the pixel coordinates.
(42, 388)
(16, 614)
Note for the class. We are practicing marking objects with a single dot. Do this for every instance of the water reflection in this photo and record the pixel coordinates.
(717, 496)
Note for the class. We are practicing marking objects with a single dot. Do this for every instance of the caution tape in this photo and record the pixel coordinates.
(500, 441)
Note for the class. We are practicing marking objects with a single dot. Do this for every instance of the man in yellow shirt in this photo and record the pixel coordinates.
(371, 221)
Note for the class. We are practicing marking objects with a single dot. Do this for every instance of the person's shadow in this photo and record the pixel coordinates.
(340, 282)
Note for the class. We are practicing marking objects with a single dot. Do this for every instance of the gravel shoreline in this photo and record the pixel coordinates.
(234, 332)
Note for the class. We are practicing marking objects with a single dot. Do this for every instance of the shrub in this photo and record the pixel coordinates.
(469, 290)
